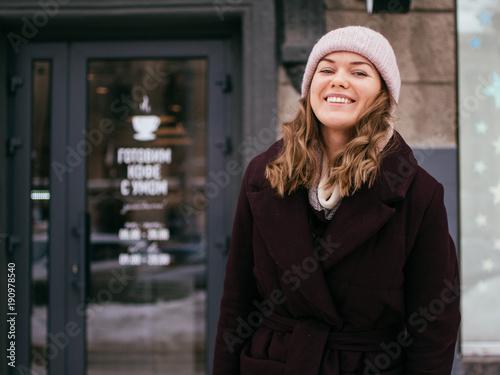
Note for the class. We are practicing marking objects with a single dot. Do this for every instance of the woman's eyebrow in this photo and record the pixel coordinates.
(327, 59)
(351, 63)
(363, 63)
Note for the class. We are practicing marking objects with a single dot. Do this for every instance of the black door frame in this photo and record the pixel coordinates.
(68, 205)
(19, 193)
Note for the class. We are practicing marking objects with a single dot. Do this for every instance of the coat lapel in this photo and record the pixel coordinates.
(284, 226)
(358, 218)
(361, 215)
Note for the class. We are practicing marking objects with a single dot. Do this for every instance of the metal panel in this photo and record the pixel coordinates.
(58, 272)
(19, 209)
(20, 201)
(441, 163)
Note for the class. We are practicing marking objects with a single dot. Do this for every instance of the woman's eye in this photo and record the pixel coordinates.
(363, 74)
(326, 70)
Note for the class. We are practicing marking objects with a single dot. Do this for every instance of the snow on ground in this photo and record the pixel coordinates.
(173, 325)
(166, 337)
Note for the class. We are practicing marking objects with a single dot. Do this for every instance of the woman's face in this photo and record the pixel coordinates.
(343, 85)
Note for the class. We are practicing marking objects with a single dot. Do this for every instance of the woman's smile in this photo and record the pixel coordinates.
(339, 99)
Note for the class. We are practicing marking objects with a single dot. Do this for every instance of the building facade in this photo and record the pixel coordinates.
(127, 126)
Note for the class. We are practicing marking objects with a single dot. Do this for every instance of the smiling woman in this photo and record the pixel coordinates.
(339, 221)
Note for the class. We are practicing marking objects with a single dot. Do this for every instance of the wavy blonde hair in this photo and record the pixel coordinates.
(356, 163)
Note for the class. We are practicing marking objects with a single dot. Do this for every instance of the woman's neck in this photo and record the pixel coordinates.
(334, 140)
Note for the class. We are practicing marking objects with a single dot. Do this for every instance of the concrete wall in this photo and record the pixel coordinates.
(424, 43)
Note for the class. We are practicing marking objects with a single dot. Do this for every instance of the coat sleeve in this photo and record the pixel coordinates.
(240, 290)
(432, 294)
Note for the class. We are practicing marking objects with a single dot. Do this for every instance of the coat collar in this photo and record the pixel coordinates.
(284, 222)
(397, 171)
(361, 215)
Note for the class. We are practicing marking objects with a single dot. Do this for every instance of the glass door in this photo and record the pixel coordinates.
(147, 289)
(125, 260)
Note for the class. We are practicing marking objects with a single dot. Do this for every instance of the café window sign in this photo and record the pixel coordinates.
(144, 177)
(144, 171)
(149, 163)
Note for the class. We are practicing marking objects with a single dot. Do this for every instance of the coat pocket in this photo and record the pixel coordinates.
(253, 366)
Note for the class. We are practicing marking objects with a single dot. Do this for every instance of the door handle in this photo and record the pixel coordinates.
(81, 268)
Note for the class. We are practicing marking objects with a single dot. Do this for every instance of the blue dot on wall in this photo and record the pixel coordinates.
(475, 43)
(485, 17)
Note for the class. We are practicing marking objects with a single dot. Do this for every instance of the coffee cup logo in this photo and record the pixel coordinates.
(145, 125)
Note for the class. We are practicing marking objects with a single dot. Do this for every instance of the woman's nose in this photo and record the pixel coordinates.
(339, 80)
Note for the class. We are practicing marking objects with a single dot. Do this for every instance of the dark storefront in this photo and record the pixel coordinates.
(128, 129)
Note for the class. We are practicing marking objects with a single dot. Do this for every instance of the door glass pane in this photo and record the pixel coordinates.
(40, 195)
(146, 160)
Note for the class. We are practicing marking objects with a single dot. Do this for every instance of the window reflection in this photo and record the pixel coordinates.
(479, 136)
(146, 160)
(40, 216)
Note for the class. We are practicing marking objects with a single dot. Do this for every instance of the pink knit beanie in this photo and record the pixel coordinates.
(363, 41)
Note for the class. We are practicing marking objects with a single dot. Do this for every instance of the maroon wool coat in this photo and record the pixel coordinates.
(379, 293)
